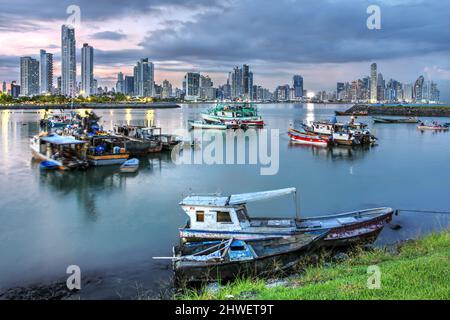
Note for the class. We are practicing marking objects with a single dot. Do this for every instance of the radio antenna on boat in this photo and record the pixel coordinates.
(296, 205)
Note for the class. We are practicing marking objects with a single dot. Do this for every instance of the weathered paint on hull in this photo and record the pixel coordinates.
(346, 235)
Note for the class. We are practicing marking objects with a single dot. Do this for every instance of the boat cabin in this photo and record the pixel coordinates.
(139, 132)
(229, 213)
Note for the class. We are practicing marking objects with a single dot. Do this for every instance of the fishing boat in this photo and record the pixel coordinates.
(130, 166)
(399, 120)
(245, 114)
(304, 138)
(225, 217)
(49, 165)
(229, 259)
(61, 152)
(170, 141)
(198, 124)
(106, 150)
(434, 125)
(140, 140)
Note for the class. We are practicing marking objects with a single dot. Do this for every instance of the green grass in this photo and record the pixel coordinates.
(419, 270)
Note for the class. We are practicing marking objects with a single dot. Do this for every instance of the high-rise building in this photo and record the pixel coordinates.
(68, 61)
(15, 89)
(4, 87)
(128, 85)
(166, 90)
(418, 88)
(87, 70)
(191, 85)
(373, 82)
(340, 90)
(236, 83)
(29, 76)
(434, 92)
(94, 87)
(247, 82)
(297, 84)
(144, 78)
(46, 72)
(408, 92)
(120, 84)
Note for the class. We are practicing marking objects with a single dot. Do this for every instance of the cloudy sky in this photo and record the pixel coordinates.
(324, 40)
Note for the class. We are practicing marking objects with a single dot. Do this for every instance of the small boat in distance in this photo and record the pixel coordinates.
(304, 138)
(130, 166)
(399, 120)
(225, 217)
(224, 260)
(434, 125)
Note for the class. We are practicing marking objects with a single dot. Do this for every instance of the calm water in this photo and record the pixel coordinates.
(112, 225)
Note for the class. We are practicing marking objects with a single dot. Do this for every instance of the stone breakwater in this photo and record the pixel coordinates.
(418, 111)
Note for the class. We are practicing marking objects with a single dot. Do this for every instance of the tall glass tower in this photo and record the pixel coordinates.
(68, 61)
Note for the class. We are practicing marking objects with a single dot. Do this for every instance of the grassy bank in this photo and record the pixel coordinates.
(417, 270)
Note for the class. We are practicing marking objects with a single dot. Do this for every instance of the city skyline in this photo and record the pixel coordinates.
(118, 48)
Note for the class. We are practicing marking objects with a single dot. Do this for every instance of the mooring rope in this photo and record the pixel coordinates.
(424, 211)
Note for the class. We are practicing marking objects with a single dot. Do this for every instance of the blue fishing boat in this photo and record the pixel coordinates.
(49, 165)
(130, 166)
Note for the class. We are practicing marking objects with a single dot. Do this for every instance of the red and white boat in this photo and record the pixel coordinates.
(300, 137)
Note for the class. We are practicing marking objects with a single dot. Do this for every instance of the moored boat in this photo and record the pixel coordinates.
(62, 152)
(106, 150)
(397, 120)
(130, 166)
(434, 125)
(140, 140)
(224, 260)
(304, 138)
(245, 114)
(225, 217)
(198, 124)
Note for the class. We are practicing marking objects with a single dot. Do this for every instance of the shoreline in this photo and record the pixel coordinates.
(413, 269)
(155, 105)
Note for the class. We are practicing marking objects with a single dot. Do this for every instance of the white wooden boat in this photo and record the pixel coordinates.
(304, 138)
(130, 166)
(225, 217)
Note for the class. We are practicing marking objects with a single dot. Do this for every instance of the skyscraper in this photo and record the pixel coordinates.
(29, 76)
(297, 84)
(87, 70)
(166, 90)
(340, 90)
(15, 89)
(46, 72)
(247, 82)
(144, 78)
(4, 87)
(120, 83)
(236, 83)
(68, 61)
(191, 85)
(129, 85)
(418, 87)
(373, 83)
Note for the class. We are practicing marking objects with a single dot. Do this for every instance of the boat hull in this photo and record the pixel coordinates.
(308, 139)
(270, 265)
(440, 128)
(107, 160)
(345, 234)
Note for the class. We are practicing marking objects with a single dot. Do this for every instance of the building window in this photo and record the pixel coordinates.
(223, 216)
(200, 216)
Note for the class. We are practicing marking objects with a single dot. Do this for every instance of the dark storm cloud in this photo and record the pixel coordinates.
(306, 32)
(20, 12)
(109, 35)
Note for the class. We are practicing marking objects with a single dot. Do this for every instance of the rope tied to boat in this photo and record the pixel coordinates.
(421, 211)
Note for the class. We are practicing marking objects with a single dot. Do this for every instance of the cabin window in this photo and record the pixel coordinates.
(242, 216)
(223, 216)
(200, 216)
